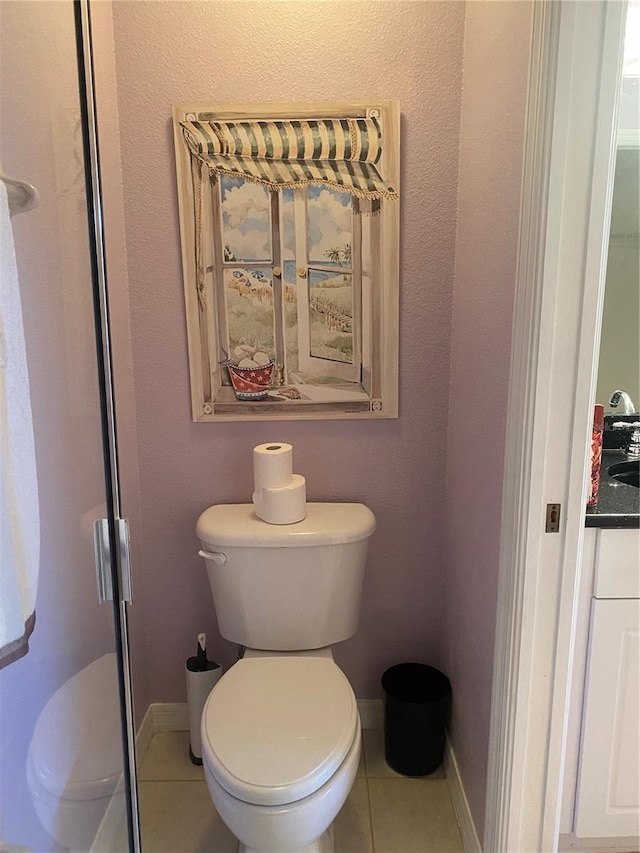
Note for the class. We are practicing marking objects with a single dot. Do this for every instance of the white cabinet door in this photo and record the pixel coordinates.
(608, 801)
(617, 564)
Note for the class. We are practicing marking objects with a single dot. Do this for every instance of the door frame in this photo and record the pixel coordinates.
(575, 70)
(118, 548)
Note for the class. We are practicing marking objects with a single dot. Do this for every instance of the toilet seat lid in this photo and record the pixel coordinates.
(75, 752)
(275, 729)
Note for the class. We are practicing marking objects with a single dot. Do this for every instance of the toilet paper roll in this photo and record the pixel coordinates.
(285, 505)
(272, 465)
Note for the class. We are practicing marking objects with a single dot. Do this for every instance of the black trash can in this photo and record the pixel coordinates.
(416, 709)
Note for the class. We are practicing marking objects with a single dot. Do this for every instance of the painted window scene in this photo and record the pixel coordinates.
(288, 245)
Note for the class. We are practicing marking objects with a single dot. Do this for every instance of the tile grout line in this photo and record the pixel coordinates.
(370, 812)
(369, 809)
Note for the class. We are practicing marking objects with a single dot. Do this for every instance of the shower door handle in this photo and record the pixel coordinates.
(102, 549)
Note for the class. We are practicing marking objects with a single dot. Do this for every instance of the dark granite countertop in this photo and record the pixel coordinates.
(618, 503)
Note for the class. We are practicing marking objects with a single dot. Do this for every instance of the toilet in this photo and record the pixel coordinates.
(280, 731)
(74, 761)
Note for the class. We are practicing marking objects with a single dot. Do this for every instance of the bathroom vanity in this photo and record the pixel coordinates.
(601, 798)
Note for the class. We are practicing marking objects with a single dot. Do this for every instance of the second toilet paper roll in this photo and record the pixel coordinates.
(272, 465)
(284, 505)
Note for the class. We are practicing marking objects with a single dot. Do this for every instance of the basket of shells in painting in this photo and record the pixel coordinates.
(251, 372)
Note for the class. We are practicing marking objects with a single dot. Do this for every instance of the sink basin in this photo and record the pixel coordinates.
(626, 472)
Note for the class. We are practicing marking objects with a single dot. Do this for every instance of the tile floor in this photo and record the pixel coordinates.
(385, 812)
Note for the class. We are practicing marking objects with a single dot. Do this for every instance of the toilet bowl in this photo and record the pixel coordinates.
(74, 761)
(280, 731)
(281, 745)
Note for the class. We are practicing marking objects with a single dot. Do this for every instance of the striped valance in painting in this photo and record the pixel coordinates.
(341, 153)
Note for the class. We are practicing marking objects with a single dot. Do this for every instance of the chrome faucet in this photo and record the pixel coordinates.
(616, 397)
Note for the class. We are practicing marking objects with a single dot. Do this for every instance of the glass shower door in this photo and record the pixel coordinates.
(66, 769)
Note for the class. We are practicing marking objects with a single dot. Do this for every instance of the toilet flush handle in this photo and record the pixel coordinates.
(218, 558)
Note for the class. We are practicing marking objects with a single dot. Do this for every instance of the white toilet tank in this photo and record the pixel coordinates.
(286, 587)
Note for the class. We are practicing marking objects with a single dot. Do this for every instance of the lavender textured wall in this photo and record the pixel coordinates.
(491, 138)
(230, 52)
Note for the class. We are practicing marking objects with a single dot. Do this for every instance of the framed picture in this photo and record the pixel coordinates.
(289, 217)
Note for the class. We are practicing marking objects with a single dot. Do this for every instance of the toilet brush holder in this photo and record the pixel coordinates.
(200, 682)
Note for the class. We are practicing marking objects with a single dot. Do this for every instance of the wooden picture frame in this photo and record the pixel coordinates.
(289, 219)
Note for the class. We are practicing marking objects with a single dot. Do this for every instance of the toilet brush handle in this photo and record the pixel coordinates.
(201, 654)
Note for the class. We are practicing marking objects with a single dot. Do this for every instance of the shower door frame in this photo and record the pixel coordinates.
(118, 547)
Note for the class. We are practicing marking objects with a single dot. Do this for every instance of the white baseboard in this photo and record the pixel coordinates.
(470, 838)
(371, 713)
(628, 844)
(170, 716)
(160, 717)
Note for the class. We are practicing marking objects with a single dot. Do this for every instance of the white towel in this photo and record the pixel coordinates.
(19, 512)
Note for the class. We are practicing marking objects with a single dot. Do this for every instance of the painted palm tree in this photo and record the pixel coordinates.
(340, 256)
